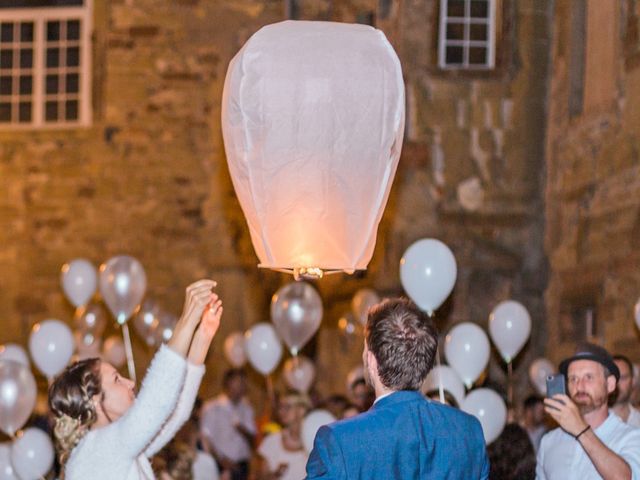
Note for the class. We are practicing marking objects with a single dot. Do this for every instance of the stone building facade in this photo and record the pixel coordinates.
(593, 176)
(488, 166)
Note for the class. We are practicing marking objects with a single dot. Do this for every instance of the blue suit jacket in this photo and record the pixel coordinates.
(403, 436)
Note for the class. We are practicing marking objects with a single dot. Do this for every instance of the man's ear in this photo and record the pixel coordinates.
(371, 360)
(611, 383)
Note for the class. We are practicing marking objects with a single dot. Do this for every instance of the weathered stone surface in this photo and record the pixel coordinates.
(149, 177)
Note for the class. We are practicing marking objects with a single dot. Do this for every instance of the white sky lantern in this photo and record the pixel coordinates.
(313, 119)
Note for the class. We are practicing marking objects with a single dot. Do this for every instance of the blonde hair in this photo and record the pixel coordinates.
(71, 402)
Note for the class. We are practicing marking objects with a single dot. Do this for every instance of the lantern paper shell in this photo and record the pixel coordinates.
(313, 120)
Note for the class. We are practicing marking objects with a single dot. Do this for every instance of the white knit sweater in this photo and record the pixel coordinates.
(120, 450)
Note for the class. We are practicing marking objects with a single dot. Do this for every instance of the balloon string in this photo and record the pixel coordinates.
(510, 384)
(129, 352)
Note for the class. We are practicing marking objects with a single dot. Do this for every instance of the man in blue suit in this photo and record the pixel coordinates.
(403, 436)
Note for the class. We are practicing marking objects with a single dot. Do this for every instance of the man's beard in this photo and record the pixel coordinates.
(587, 403)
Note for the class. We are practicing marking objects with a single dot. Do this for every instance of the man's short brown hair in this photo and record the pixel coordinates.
(403, 340)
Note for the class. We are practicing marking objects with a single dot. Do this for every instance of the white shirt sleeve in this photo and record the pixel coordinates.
(630, 452)
(182, 411)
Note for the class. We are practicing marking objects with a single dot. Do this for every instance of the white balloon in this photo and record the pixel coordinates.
(311, 424)
(362, 301)
(450, 380)
(539, 370)
(204, 467)
(51, 346)
(6, 468)
(79, 280)
(113, 351)
(489, 408)
(509, 327)
(85, 348)
(466, 349)
(17, 396)
(123, 283)
(234, 349)
(15, 353)
(32, 454)
(263, 348)
(428, 273)
(299, 373)
(637, 313)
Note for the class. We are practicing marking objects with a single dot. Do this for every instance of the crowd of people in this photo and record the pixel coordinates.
(388, 427)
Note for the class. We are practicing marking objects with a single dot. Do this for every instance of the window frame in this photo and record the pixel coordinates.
(40, 16)
(466, 43)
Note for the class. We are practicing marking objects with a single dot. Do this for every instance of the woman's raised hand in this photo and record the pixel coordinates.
(198, 296)
(206, 331)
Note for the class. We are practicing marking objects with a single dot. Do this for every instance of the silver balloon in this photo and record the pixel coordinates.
(90, 322)
(146, 321)
(122, 286)
(296, 312)
(17, 396)
(166, 324)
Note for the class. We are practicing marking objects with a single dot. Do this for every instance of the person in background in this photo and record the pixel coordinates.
(533, 420)
(622, 406)
(511, 455)
(335, 404)
(362, 395)
(449, 399)
(591, 442)
(228, 426)
(282, 453)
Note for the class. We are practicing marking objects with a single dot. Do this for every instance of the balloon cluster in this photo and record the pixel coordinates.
(428, 273)
(30, 455)
(296, 313)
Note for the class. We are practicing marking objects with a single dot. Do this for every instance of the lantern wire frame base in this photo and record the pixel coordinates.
(307, 273)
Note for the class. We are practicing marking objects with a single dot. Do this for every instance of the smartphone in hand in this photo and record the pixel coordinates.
(556, 384)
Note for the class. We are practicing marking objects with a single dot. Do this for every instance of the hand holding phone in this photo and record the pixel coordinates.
(556, 384)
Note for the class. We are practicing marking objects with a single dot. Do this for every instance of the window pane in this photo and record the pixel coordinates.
(455, 31)
(6, 59)
(71, 110)
(455, 8)
(5, 85)
(26, 85)
(26, 58)
(52, 84)
(5, 112)
(72, 83)
(26, 32)
(73, 57)
(53, 31)
(73, 30)
(51, 111)
(6, 32)
(478, 55)
(454, 55)
(24, 112)
(478, 31)
(479, 8)
(53, 57)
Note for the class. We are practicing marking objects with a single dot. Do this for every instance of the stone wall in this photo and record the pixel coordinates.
(149, 177)
(593, 179)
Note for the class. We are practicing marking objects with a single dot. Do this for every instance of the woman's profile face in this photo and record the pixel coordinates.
(118, 391)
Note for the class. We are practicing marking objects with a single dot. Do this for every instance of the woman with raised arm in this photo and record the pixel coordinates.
(102, 430)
